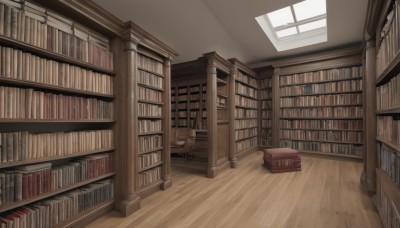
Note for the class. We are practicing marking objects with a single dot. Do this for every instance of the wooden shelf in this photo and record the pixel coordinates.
(255, 118)
(247, 96)
(323, 141)
(152, 166)
(242, 139)
(151, 72)
(245, 107)
(44, 121)
(220, 81)
(222, 121)
(245, 128)
(150, 117)
(222, 95)
(388, 111)
(222, 106)
(149, 151)
(13, 205)
(391, 190)
(150, 87)
(152, 185)
(151, 133)
(246, 84)
(320, 106)
(151, 102)
(320, 129)
(318, 94)
(52, 55)
(321, 82)
(321, 118)
(390, 71)
(390, 144)
(331, 154)
(53, 158)
(57, 89)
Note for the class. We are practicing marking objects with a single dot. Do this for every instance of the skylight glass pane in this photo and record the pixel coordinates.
(286, 32)
(281, 17)
(312, 25)
(309, 8)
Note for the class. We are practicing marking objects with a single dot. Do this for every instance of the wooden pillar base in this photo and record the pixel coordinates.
(127, 207)
(367, 185)
(166, 184)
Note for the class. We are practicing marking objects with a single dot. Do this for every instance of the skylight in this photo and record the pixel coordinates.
(298, 25)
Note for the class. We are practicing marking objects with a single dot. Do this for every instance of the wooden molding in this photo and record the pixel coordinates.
(127, 207)
(220, 62)
(371, 20)
(240, 65)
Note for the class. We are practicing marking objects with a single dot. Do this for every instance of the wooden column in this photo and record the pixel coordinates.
(232, 107)
(212, 116)
(368, 177)
(127, 167)
(275, 108)
(166, 168)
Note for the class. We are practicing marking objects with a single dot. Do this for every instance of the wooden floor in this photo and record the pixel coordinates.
(326, 193)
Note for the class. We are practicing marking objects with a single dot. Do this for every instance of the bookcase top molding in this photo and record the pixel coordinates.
(373, 16)
(220, 62)
(243, 67)
(344, 57)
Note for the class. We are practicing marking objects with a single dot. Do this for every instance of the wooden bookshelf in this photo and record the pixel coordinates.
(246, 94)
(381, 171)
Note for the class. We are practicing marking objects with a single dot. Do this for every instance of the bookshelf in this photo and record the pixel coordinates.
(205, 86)
(381, 170)
(245, 109)
(318, 107)
(57, 116)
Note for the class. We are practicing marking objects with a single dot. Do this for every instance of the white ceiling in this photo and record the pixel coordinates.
(195, 27)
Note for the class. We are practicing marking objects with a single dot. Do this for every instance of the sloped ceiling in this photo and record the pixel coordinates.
(195, 27)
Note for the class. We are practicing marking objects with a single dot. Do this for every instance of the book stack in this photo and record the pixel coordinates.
(281, 160)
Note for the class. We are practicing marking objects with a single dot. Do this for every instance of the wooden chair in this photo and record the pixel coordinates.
(182, 141)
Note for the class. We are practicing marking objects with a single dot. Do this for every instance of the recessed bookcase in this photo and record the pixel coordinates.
(75, 100)
(201, 92)
(56, 117)
(321, 107)
(245, 109)
(387, 82)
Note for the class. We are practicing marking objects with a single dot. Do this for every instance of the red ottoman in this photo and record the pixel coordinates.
(279, 160)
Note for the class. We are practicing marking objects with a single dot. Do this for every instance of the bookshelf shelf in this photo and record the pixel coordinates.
(150, 186)
(245, 107)
(151, 133)
(247, 84)
(390, 71)
(330, 154)
(325, 141)
(320, 129)
(51, 55)
(318, 94)
(150, 102)
(50, 121)
(151, 72)
(244, 138)
(53, 158)
(151, 117)
(151, 166)
(56, 89)
(10, 206)
(322, 118)
(242, 128)
(320, 82)
(248, 96)
(320, 106)
(150, 87)
(388, 111)
(247, 118)
(152, 150)
(390, 144)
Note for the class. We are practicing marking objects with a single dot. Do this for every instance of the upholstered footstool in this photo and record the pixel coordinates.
(279, 160)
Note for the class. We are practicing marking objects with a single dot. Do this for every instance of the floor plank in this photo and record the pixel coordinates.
(326, 193)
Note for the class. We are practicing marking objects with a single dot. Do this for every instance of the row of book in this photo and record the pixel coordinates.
(323, 124)
(323, 112)
(389, 39)
(388, 128)
(246, 133)
(149, 110)
(246, 113)
(150, 64)
(244, 89)
(266, 104)
(267, 123)
(150, 95)
(322, 147)
(18, 103)
(266, 142)
(322, 76)
(246, 102)
(146, 126)
(149, 79)
(149, 159)
(323, 100)
(149, 177)
(251, 123)
(387, 94)
(19, 65)
(246, 144)
(266, 114)
(387, 209)
(246, 79)
(266, 83)
(198, 114)
(182, 90)
(150, 143)
(24, 146)
(338, 136)
(266, 132)
(266, 94)
(25, 182)
(181, 114)
(322, 88)
(45, 29)
(389, 161)
(182, 123)
(60, 208)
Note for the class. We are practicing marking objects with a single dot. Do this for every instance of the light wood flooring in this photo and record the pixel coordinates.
(326, 193)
